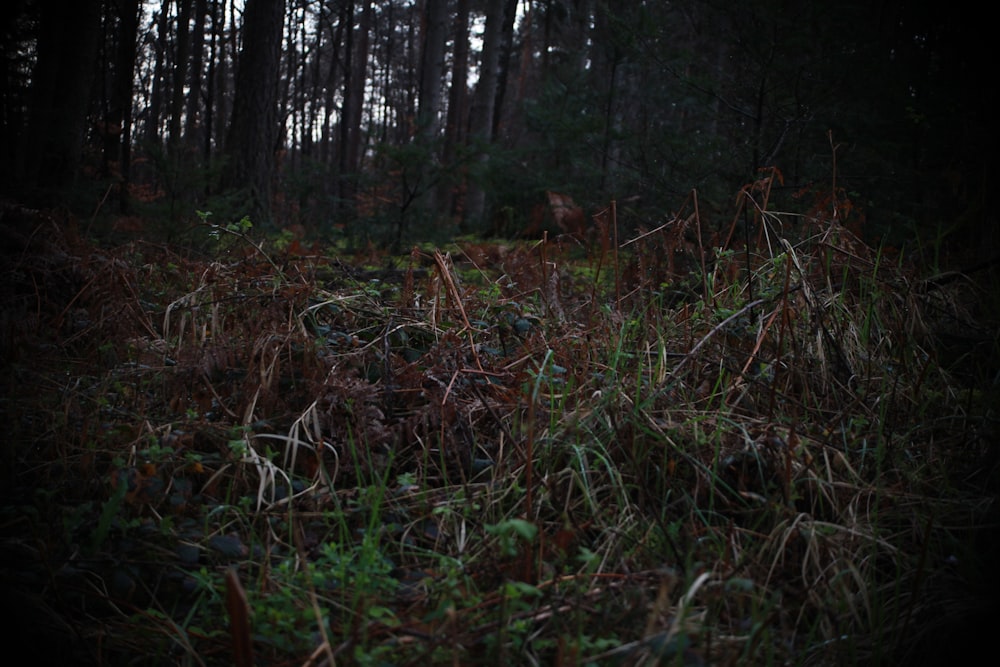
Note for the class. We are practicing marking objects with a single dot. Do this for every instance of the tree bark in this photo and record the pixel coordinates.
(432, 67)
(67, 50)
(253, 130)
(506, 47)
(326, 151)
(458, 101)
(481, 120)
(120, 115)
(181, 57)
(151, 129)
(214, 43)
(354, 91)
(193, 120)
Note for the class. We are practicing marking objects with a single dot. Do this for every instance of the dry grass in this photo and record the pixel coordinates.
(677, 450)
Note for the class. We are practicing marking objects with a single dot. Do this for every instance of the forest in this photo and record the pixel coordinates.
(565, 332)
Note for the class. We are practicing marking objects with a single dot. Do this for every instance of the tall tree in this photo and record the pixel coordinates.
(14, 90)
(435, 36)
(458, 102)
(152, 127)
(353, 107)
(605, 61)
(481, 120)
(215, 44)
(334, 71)
(430, 97)
(192, 117)
(119, 115)
(506, 48)
(68, 41)
(182, 55)
(253, 131)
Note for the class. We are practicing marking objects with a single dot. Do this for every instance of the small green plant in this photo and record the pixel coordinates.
(511, 533)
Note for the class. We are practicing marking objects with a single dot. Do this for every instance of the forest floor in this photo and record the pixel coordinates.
(570, 452)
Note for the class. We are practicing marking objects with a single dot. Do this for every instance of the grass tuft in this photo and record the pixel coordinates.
(675, 449)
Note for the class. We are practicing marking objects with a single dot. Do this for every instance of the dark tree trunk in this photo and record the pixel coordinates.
(181, 57)
(193, 120)
(214, 43)
(506, 47)
(435, 36)
(253, 130)
(222, 85)
(68, 41)
(327, 138)
(120, 116)
(151, 130)
(291, 92)
(350, 130)
(458, 103)
(432, 66)
(14, 92)
(481, 120)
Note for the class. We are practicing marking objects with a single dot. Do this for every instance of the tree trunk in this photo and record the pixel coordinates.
(354, 91)
(253, 130)
(435, 35)
(326, 146)
(121, 104)
(458, 101)
(214, 43)
(481, 121)
(605, 61)
(506, 47)
(67, 50)
(182, 53)
(151, 130)
(193, 120)
(432, 67)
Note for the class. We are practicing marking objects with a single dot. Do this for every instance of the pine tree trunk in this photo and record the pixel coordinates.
(354, 91)
(481, 121)
(253, 130)
(67, 51)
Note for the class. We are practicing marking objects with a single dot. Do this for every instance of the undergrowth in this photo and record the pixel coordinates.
(677, 448)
